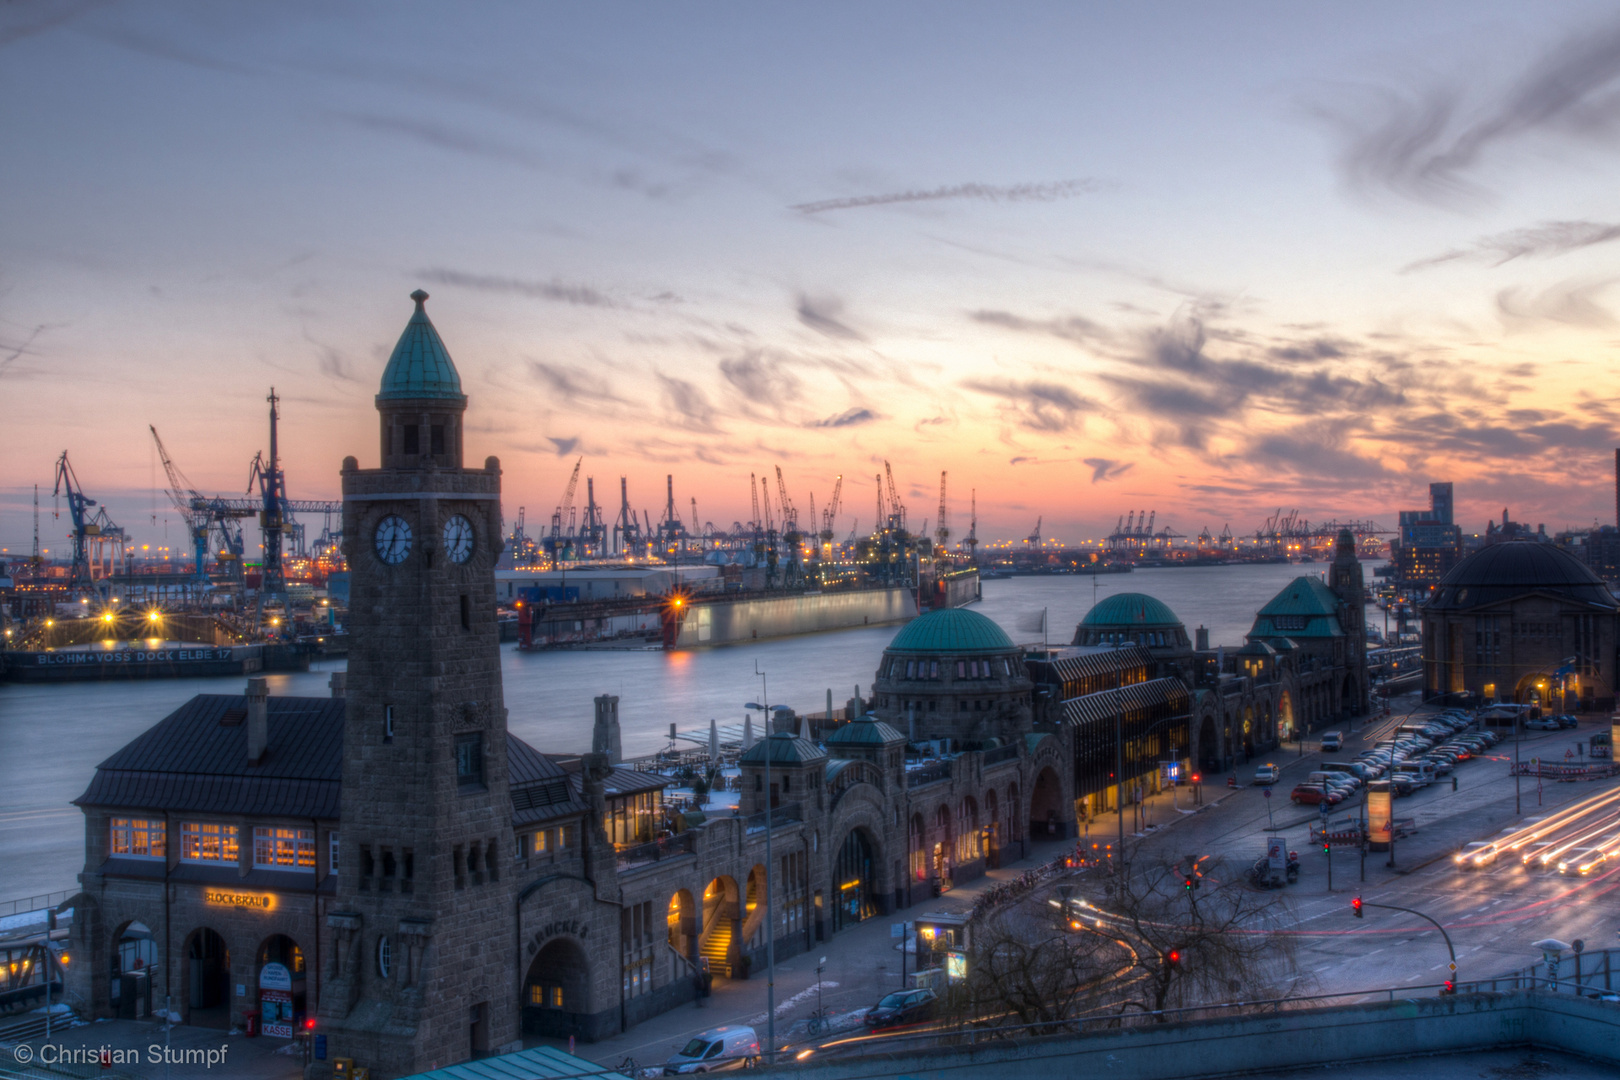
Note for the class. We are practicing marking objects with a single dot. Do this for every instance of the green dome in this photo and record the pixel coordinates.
(949, 631)
(420, 366)
(784, 750)
(866, 731)
(1130, 609)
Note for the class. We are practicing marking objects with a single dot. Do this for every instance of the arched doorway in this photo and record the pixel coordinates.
(753, 931)
(722, 926)
(557, 990)
(917, 843)
(852, 877)
(942, 849)
(1015, 810)
(682, 924)
(1248, 731)
(967, 831)
(1285, 710)
(208, 979)
(132, 956)
(992, 831)
(1046, 806)
(1209, 745)
(279, 978)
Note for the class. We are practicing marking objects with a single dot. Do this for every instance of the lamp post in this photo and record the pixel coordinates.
(770, 912)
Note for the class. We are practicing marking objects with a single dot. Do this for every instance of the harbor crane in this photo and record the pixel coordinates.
(275, 510)
(1034, 538)
(92, 533)
(942, 531)
(897, 509)
(829, 513)
(556, 540)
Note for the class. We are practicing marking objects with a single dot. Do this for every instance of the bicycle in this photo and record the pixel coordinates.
(818, 1024)
(629, 1068)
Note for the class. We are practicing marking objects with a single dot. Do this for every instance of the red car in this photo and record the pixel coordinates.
(1308, 793)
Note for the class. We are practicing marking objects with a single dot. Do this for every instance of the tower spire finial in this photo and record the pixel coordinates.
(420, 296)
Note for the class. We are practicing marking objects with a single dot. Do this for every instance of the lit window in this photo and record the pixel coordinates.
(140, 837)
(284, 849)
(207, 842)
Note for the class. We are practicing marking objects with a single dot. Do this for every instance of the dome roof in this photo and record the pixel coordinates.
(1130, 609)
(1513, 568)
(951, 631)
(784, 749)
(420, 366)
(864, 731)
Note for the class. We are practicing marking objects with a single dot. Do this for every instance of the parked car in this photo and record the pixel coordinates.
(1567, 721)
(902, 1007)
(735, 1046)
(1308, 794)
(1267, 774)
(1331, 741)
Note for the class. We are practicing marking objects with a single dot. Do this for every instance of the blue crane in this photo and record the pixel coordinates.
(88, 529)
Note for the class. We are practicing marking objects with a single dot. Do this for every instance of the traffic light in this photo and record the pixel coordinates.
(1355, 906)
(1327, 845)
(1188, 885)
(1173, 958)
(1448, 987)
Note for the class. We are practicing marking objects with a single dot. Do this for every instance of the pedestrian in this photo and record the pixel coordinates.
(1453, 781)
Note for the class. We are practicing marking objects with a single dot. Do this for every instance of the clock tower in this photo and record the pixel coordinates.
(418, 973)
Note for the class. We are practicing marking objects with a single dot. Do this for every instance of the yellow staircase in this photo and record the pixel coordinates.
(716, 948)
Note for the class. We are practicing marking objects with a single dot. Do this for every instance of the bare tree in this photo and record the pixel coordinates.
(1198, 935)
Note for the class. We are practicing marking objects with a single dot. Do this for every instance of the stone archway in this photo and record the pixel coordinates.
(281, 1012)
(992, 830)
(753, 913)
(943, 849)
(1046, 806)
(855, 867)
(557, 990)
(917, 846)
(1209, 745)
(682, 920)
(1285, 713)
(208, 978)
(133, 952)
(722, 925)
(1248, 731)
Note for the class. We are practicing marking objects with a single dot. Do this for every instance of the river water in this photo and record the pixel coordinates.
(52, 736)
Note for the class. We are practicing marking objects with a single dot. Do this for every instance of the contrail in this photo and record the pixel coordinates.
(1062, 189)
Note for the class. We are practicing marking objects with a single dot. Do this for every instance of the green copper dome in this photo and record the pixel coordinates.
(950, 631)
(420, 366)
(1130, 609)
(864, 731)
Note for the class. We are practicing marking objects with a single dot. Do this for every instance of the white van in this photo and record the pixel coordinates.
(1332, 741)
(735, 1046)
(1421, 772)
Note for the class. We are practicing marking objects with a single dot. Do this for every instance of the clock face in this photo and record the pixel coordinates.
(393, 539)
(458, 539)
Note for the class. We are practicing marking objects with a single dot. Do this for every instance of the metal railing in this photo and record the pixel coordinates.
(786, 814)
(1000, 754)
(654, 851)
(1578, 973)
(43, 902)
(931, 773)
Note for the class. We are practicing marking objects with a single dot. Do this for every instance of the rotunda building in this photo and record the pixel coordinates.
(1138, 619)
(1525, 622)
(954, 675)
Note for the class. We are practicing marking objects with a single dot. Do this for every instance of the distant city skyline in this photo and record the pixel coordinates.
(1204, 262)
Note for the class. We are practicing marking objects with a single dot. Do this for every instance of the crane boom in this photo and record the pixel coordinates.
(830, 513)
(790, 516)
(942, 531)
(753, 496)
(897, 509)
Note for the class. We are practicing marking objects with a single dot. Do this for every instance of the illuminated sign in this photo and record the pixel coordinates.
(955, 966)
(241, 900)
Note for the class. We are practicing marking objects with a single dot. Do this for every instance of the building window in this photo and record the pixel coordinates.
(385, 956)
(388, 723)
(207, 842)
(470, 760)
(332, 852)
(413, 444)
(284, 849)
(436, 438)
(140, 837)
(547, 996)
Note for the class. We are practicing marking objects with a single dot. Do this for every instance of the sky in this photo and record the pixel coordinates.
(1203, 260)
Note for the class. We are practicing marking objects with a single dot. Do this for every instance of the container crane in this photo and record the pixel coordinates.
(1034, 538)
(560, 515)
(186, 502)
(275, 509)
(830, 512)
(942, 530)
(897, 509)
(85, 525)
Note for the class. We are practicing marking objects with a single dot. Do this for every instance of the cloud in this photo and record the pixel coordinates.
(847, 418)
(1426, 144)
(1544, 241)
(1073, 328)
(1104, 469)
(1049, 192)
(441, 137)
(572, 384)
(564, 446)
(761, 380)
(822, 315)
(561, 291)
(1573, 303)
(19, 22)
(16, 350)
(1036, 405)
(689, 403)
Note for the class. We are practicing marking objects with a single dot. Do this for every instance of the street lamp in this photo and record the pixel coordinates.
(770, 912)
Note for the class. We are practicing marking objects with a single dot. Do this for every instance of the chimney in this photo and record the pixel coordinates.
(258, 719)
(339, 682)
(605, 735)
(1201, 639)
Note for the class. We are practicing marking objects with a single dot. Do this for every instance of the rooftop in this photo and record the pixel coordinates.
(951, 631)
(420, 366)
(1131, 610)
(1513, 568)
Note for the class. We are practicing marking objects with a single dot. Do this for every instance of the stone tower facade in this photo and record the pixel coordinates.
(1344, 578)
(419, 968)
